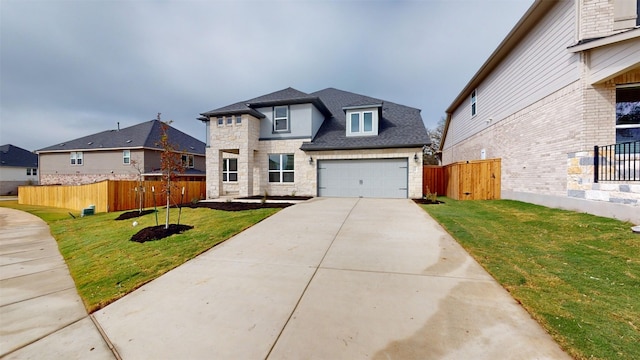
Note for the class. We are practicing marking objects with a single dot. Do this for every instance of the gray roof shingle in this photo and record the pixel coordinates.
(143, 135)
(11, 155)
(399, 126)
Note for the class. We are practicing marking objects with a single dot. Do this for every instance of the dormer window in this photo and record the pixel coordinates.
(280, 119)
(362, 122)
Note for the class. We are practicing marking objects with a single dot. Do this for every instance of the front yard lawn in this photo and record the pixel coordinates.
(106, 265)
(578, 275)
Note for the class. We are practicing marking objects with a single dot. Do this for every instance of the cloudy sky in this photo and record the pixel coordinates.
(70, 68)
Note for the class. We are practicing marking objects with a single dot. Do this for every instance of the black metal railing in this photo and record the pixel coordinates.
(617, 162)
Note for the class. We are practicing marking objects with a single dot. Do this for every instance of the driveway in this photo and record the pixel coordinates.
(329, 278)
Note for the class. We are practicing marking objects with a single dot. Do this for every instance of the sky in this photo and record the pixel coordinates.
(71, 68)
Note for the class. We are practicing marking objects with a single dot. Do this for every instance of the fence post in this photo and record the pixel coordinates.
(596, 162)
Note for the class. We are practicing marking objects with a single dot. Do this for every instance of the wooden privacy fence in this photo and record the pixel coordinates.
(110, 195)
(469, 180)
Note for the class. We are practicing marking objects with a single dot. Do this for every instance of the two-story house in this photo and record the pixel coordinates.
(326, 143)
(17, 167)
(120, 154)
(565, 80)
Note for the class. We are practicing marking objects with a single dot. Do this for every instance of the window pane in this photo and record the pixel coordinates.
(281, 125)
(233, 176)
(274, 162)
(238, 119)
(287, 160)
(274, 176)
(28, 171)
(233, 164)
(220, 121)
(224, 176)
(225, 162)
(627, 135)
(355, 123)
(35, 171)
(281, 112)
(229, 120)
(368, 121)
(287, 176)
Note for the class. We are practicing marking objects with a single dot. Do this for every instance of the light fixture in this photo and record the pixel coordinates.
(415, 157)
(310, 160)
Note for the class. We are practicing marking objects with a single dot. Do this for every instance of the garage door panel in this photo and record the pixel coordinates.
(384, 178)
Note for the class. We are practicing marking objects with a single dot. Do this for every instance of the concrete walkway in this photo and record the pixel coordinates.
(41, 314)
(329, 279)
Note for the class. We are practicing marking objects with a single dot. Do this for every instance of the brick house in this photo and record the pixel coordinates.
(327, 143)
(564, 80)
(120, 154)
(17, 167)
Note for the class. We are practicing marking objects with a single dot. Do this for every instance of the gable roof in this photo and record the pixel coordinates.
(144, 135)
(399, 125)
(288, 96)
(11, 155)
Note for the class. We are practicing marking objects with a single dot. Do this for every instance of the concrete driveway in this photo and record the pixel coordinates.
(328, 279)
(325, 279)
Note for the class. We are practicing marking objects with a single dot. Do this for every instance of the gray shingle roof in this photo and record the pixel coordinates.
(11, 155)
(399, 126)
(143, 135)
(286, 96)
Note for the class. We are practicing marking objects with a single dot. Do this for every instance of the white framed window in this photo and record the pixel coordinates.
(281, 119)
(362, 123)
(238, 119)
(76, 158)
(126, 157)
(188, 161)
(474, 103)
(220, 121)
(281, 168)
(34, 171)
(29, 171)
(229, 170)
(229, 120)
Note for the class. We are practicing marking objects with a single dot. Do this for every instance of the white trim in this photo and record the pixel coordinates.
(623, 36)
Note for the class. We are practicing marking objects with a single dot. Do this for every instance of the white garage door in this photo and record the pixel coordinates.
(379, 178)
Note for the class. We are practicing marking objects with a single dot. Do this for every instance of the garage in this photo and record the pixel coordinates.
(370, 178)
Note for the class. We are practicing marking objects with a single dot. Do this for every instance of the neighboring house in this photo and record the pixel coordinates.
(17, 167)
(564, 80)
(327, 143)
(121, 154)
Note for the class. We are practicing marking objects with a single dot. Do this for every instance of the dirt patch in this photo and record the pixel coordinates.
(285, 198)
(133, 214)
(237, 206)
(427, 202)
(159, 232)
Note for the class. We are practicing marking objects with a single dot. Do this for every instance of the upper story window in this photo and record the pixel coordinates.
(238, 119)
(34, 172)
(220, 120)
(188, 161)
(474, 103)
(126, 157)
(281, 119)
(229, 170)
(229, 120)
(362, 122)
(76, 158)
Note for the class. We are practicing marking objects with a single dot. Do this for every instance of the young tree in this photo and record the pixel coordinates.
(140, 191)
(430, 151)
(170, 163)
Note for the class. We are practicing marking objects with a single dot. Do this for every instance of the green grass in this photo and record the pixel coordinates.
(578, 275)
(105, 265)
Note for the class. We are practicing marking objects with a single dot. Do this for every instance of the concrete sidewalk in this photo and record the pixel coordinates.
(329, 279)
(41, 314)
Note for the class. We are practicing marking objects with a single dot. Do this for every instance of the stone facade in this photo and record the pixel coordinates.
(80, 179)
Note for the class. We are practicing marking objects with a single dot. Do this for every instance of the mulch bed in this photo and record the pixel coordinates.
(159, 232)
(133, 214)
(237, 206)
(427, 202)
(286, 197)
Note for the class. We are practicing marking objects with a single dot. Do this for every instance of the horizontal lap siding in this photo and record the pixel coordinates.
(611, 60)
(537, 67)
